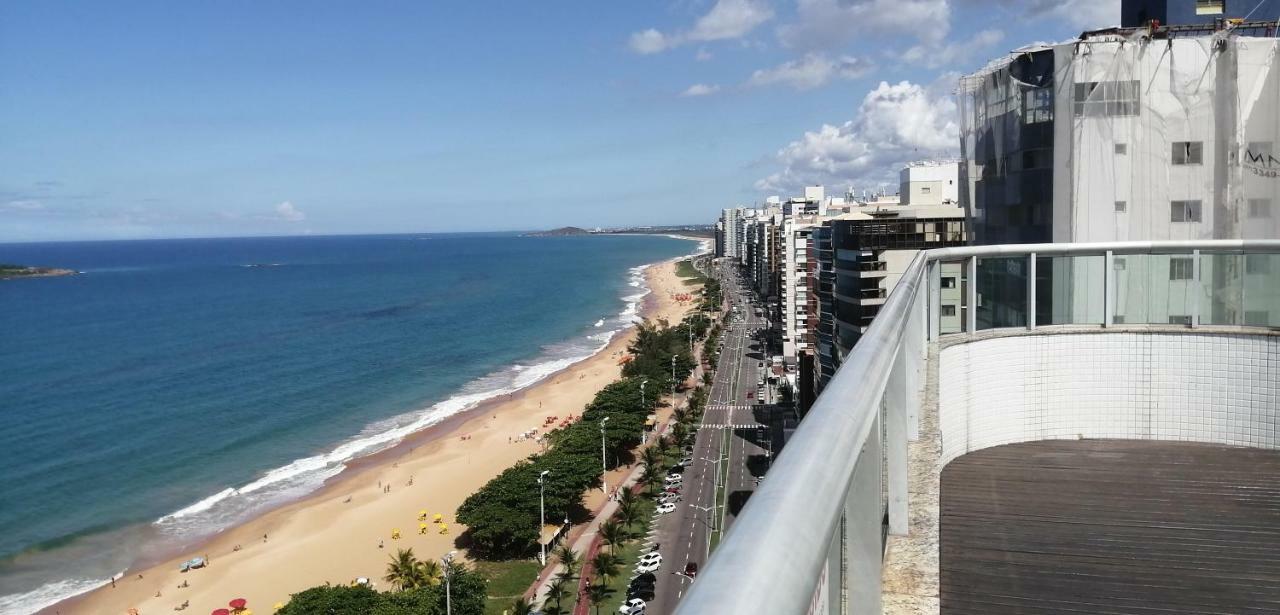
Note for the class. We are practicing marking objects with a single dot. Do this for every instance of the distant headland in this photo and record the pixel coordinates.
(19, 271)
(694, 230)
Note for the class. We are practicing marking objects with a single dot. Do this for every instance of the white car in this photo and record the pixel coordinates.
(634, 606)
(651, 562)
(674, 479)
(670, 498)
(666, 508)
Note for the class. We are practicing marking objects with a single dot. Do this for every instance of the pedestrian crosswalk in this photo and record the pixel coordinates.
(735, 425)
(729, 406)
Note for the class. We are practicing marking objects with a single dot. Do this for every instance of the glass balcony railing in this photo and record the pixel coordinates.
(811, 538)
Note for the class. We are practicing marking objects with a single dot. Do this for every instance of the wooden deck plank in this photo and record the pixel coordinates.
(1110, 526)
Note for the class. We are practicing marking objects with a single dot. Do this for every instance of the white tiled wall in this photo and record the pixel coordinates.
(1221, 388)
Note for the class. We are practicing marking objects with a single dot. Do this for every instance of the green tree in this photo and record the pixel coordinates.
(404, 570)
(606, 565)
(568, 558)
(598, 594)
(613, 535)
(557, 591)
(521, 606)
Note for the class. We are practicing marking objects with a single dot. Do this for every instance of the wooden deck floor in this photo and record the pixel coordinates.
(1111, 526)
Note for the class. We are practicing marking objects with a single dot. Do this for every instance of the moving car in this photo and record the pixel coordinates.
(691, 569)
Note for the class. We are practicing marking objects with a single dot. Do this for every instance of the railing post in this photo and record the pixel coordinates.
(1108, 295)
(863, 548)
(1196, 288)
(896, 395)
(1031, 290)
(916, 351)
(934, 295)
(971, 296)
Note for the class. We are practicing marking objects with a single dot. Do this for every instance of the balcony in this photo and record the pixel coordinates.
(1096, 438)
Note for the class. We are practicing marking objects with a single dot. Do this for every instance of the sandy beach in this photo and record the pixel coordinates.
(344, 531)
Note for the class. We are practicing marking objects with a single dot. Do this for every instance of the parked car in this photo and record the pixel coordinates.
(633, 606)
(674, 479)
(673, 489)
(649, 562)
(666, 508)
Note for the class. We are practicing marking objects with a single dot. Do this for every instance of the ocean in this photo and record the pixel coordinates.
(178, 387)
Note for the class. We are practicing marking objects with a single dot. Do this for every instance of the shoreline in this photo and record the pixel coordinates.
(432, 449)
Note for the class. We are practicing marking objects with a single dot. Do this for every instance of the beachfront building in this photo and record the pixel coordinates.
(1138, 13)
(930, 182)
(1152, 133)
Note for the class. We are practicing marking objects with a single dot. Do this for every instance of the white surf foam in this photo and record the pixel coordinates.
(45, 595)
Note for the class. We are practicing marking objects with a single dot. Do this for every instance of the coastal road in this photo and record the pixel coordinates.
(727, 451)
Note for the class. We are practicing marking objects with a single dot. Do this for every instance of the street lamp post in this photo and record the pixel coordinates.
(542, 515)
(604, 462)
(644, 435)
(642, 385)
(448, 568)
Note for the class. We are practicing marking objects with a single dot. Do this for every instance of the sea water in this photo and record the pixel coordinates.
(175, 388)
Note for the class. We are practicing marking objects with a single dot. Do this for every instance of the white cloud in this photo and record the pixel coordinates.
(811, 71)
(287, 212)
(648, 41)
(939, 55)
(727, 19)
(895, 124)
(23, 205)
(828, 23)
(703, 55)
(701, 89)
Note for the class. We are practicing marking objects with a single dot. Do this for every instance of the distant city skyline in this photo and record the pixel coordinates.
(150, 120)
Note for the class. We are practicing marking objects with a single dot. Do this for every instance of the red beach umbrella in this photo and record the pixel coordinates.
(221, 612)
(238, 603)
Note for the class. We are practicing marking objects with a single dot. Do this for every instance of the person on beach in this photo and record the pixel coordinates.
(113, 581)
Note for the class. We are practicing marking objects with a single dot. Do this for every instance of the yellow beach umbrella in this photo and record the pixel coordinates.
(422, 514)
(439, 517)
(395, 534)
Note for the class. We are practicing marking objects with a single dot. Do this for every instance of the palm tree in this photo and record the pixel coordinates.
(628, 514)
(650, 456)
(404, 569)
(430, 572)
(605, 565)
(613, 535)
(568, 558)
(521, 606)
(649, 476)
(557, 591)
(598, 594)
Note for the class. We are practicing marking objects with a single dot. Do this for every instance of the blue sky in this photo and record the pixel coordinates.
(181, 119)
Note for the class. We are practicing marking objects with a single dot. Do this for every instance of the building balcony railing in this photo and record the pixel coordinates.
(811, 537)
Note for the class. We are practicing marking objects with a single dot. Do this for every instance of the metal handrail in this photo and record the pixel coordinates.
(787, 517)
(773, 557)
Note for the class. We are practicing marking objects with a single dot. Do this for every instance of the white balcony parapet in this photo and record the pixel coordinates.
(809, 540)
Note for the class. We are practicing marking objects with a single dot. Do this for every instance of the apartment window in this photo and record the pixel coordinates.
(1184, 211)
(924, 190)
(1121, 207)
(1188, 152)
(1211, 7)
(948, 310)
(1122, 149)
(1179, 320)
(1257, 263)
(1259, 208)
(1037, 159)
(1037, 106)
(948, 282)
(1107, 98)
(1181, 269)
